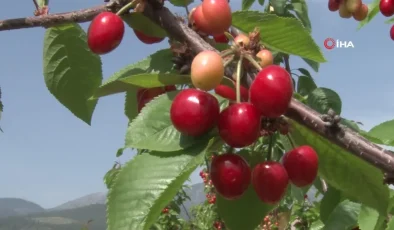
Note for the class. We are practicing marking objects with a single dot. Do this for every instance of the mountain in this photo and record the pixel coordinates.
(16, 207)
(94, 198)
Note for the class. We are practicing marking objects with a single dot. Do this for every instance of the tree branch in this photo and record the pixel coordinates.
(344, 137)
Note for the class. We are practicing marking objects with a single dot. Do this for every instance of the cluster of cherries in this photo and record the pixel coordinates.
(268, 225)
(211, 196)
(106, 32)
(386, 7)
(349, 8)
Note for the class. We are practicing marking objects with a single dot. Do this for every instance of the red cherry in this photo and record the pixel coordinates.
(301, 165)
(239, 125)
(392, 32)
(230, 175)
(270, 181)
(333, 5)
(199, 20)
(212, 200)
(165, 210)
(387, 7)
(271, 91)
(194, 112)
(305, 196)
(218, 14)
(229, 93)
(105, 33)
(147, 39)
(221, 38)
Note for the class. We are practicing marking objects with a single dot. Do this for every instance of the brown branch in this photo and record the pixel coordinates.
(344, 137)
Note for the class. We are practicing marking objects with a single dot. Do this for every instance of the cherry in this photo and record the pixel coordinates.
(239, 125)
(221, 38)
(387, 7)
(271, 91)
(265, 57)
(165, 210)
(353, 5)
(144, 96)
(218, 14)
(242, 40)
(105, 33)
(229, 93)
(392, 33)
(199, 21)
(301, 165)
(230, 175)
(194, 112)
(146, 39)
(207, 70)
(343, 11)
(270, 181)
(333, 5)
(362, 13)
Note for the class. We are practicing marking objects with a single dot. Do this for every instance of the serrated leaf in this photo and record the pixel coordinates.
(368, 218)
(152, 129)
(301, 9)
(384, 132)
(181, 3)
(159, 62)
(147, 183)
(246, 4)
(344, 216)
(389, 21)
(347, 173)
(314, 65)
(131, 104)
(330, 200)
(305, 85)
(261, 2)
(71, 71)
(286, 35)
(322, 99)
(140, 22)
(373, 10)
(110, 176)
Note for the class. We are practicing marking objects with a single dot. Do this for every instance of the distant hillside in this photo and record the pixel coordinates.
(16, 207)
(94, 198)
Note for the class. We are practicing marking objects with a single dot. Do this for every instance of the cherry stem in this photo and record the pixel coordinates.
(226, 53)
(36, 5)
(229, 36)
(254, 62)
(228, 61)
(270, 145)
(126, 7)
(291, 141)
(238, 82)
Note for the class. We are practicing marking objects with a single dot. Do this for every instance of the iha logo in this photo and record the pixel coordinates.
(330, 44)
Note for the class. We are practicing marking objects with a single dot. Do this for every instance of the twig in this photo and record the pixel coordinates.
(346, 138)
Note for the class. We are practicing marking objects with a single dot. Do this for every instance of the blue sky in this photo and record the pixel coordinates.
(49, 157)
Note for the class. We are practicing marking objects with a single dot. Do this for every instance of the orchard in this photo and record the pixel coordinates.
(223, 96)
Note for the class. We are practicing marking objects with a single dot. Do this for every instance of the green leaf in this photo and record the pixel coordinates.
(153, 129)
(384, 132)
(131, 104)
(389, 21)
(181, 3)
(368, 218)
(146, 184)
(261, 2)
(317, 225)
(350, 124)
(355, 178)
(330, 200)
(72, 72)
(140, 22)
(42, 3)
(120, 152)
(373, 10)
(344, 216)
(314, 65)
(298, 193)
(390, 225)
(110, 176)
(151, 80)
(246, 4)
(305, 72)
(305, 85)
(286, 35)
(159, 62)
(322, 99)
(279, 6)
(301, 10)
